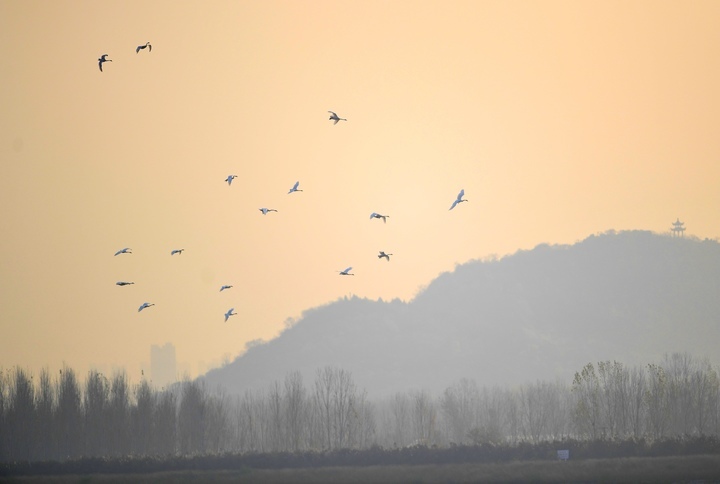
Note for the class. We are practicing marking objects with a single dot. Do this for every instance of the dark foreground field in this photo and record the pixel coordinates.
(696, 469)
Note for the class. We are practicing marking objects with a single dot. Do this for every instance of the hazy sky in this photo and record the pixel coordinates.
(559, 119)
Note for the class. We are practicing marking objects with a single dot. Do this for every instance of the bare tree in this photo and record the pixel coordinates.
(459, 404)
(45, 409)
(691, 389)
(263, 419)
(323, 403)
(656, 401)
(334, 404)
(362, 422)
(703, 388)
(142, 418)
(247, 425)
(400, 405)
(96, 398)
(587, 414)
(678, 370)
(343, 398)
(636, 402)
(295, 404)
(560, 422)
(165, 424)
(192, 418)
(69, 414)
(537, 403)
(4, 424)
(715, 409)
(691, 385)
(392, 416)
(275, 418)
(512, 412)
(614, 397)
(495, 409)
(423, 417)
(217, 432)
(119, 414)
(21, 415)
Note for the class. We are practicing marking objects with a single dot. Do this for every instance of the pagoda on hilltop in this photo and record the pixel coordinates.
(678, 229)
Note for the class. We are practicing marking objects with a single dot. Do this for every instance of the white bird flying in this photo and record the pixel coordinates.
(225, 286)
(229, 313)
(295, 188)
(145, 305)
(103, 59)
(177, 251)
(346, 272)
(335, 118)
(141, 47)
(230, 178)
(123, 283)
(377, 215)
(126, 250)
(459, 199)
(383, 254)
(266, 210)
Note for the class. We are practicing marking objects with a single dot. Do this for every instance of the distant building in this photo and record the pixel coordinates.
(678, 229)
(163, 365)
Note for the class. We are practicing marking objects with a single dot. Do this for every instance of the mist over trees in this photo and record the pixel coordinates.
(538, 314)
(59, 418)
(608, 339)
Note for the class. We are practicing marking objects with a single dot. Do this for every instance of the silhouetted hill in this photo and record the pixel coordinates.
(538, 314)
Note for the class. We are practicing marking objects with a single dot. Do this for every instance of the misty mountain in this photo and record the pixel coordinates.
(538, 314)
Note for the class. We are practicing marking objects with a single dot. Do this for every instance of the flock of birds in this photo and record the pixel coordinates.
(264, 210)
(128, 250)
(103, 58)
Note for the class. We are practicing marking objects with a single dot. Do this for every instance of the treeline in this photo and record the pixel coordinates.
(373, 456)
(59, 418)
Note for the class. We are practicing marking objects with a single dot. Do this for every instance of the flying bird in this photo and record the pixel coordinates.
(141, 47)
(103, 59)
(145, 305)
(123, 283)
(230, 178)
(335, 118)
(377, 215)
(459, 199)
(225, 286)
(177, 251)
(126, 250)
(295, 188)
(346, 272)
(383, 254)
(266, 210)
(229, 313)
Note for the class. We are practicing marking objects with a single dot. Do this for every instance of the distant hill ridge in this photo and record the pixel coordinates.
(630, 296)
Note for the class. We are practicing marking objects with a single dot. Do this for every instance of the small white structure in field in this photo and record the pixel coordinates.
(563, 454)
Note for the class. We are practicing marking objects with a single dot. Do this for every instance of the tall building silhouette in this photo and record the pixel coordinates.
(163, 365)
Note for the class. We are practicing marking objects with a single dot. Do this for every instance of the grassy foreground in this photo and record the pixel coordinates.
(697, 468)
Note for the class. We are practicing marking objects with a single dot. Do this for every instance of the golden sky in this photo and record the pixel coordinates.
(560, 119)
